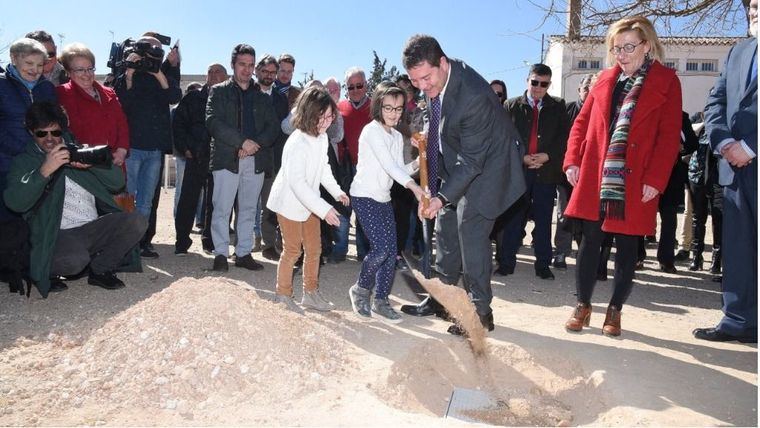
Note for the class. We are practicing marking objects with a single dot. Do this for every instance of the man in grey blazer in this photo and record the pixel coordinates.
(474, 165)
(731, 123)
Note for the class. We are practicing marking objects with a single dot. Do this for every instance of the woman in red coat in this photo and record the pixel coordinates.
(619, 155)
(95, 114)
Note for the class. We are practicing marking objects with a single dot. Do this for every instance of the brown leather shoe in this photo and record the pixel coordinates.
(580, 318)
(612, 322)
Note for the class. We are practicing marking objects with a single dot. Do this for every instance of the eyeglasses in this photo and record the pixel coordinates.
(627, 48)
(390, 109)
(538, 82)
(327, 118)
(43, 134)
(82, 71)
(355, 87)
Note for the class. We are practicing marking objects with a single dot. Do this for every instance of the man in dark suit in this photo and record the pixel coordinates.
(474, 167)
(542, 123)
(731, 123)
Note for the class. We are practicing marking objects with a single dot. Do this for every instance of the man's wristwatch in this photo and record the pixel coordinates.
(444, 201)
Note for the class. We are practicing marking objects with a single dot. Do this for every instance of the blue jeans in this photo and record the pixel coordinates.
(143, 170)
(340, 238)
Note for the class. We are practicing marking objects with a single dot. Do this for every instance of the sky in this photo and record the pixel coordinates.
(500, 39)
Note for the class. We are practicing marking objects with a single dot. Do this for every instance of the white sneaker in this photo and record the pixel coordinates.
(315, 300)
(289, 303)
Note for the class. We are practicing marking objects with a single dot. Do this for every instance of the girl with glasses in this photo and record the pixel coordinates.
(381, 162)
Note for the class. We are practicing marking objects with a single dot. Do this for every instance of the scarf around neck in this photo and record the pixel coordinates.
(282, 87)
(14, 72)
(612, 193)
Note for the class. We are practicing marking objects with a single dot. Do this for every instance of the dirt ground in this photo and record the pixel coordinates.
(182, 346)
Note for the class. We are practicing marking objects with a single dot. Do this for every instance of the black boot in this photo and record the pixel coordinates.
(696, 262)
(715, 265)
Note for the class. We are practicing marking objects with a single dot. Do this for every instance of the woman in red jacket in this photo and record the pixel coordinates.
(619, 155)
(95, 114)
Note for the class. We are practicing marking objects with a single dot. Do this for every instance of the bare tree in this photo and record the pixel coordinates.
(671, 17)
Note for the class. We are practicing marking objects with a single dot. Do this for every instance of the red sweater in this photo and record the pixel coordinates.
(354, 121)
(91, 122)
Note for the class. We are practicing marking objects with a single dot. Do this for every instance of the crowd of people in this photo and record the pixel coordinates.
(264, 166)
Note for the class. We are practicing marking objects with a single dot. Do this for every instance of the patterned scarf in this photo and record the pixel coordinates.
(613, 174)
(282, 87)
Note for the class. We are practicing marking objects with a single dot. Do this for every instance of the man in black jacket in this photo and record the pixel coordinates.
(191, 138)
(542, 123)
(241, 121)
(146, 97)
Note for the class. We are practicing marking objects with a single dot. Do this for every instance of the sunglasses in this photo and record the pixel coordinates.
(500, 94)
(51, 54)
(43, 134)
(536, 83)
(359, 86)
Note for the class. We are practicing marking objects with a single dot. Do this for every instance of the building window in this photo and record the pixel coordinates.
(702, 65)
(671, 63)
(588, 64)
(709, 66)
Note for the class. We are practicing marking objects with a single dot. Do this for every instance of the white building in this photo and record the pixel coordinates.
(698, 61)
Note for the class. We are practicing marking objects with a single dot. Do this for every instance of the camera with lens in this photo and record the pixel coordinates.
(151, 57)
(90, 155)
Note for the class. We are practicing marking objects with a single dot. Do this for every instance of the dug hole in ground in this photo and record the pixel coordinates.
(180, 346)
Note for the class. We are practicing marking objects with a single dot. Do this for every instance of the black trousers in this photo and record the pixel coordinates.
(463, 247)
(101, 244)
(627, 247)
(193, 182)
(269, 235)
(403, 202)
(668, 225)
(706, 199)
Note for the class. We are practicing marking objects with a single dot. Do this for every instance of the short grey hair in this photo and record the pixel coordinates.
(353, 71)
(586, 80)
(26, 46)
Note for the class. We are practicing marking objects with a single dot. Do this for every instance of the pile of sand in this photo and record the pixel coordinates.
(197, 345)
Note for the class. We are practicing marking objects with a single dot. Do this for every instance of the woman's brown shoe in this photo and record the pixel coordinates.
(612, 322)
(580, 318)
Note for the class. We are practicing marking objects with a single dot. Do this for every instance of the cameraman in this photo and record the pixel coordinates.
(146, 92)
(69, 207)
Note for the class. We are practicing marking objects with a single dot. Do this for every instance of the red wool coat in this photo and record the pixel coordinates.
(91, 122)
(653, 143)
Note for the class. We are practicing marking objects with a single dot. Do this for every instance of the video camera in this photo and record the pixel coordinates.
(151, 57)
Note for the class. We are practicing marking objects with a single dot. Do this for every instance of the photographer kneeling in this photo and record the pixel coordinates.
(69, 206)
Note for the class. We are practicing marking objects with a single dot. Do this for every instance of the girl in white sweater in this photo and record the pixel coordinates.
(296, 200)
(381, 161)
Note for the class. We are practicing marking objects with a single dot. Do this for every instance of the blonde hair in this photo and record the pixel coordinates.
(643, 27)
(75, 50)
